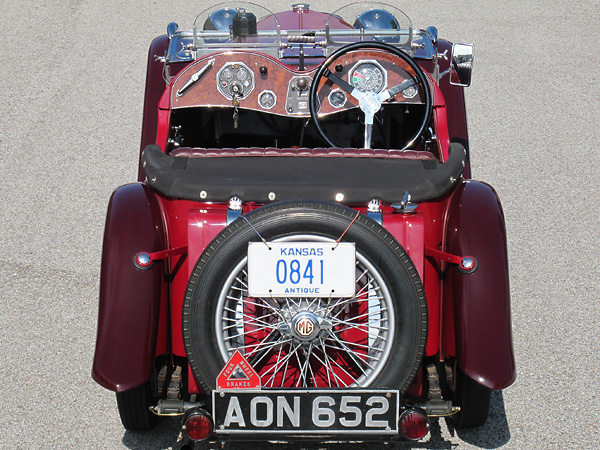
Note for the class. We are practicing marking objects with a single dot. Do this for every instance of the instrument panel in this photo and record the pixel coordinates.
(258, 82)
(235, 79)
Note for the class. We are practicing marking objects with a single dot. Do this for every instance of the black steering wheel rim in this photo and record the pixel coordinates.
(420, 75)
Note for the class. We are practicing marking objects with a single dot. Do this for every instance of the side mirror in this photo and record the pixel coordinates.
(433, 32)
(172, 29)
(461, 65)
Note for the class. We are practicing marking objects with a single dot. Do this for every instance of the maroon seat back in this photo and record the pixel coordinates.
(322, 152)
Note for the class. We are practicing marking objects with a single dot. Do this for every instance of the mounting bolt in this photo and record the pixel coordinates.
(235, 203)
(374, 206)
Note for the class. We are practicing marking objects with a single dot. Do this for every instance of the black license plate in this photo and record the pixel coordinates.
(307, 412)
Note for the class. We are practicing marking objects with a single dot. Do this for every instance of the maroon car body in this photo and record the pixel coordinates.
(286, 133)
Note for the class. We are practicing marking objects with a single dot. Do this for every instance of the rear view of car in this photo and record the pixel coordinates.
(305, 254)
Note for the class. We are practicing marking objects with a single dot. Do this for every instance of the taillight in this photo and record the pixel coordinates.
(414, 424)
(197, 424)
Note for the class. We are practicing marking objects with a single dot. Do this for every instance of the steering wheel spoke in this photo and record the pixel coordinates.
(343, 85)
(368, 133)
(369, 104)
(390, 93)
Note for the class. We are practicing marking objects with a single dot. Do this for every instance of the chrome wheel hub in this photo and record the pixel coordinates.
(305, 326)
(304, 323)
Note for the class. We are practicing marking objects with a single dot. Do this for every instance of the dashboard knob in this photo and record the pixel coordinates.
(302, 83)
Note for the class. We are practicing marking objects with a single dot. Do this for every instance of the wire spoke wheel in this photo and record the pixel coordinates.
(374, 338)
(309, 342)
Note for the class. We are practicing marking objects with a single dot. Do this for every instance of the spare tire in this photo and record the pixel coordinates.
(375, 338)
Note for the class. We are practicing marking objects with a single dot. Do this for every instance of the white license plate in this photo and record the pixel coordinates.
(301, 269)
(317, 411)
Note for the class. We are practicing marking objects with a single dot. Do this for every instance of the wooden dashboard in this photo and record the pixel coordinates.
(262, 83)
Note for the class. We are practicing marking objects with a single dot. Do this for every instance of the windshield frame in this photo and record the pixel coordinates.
(336, 32)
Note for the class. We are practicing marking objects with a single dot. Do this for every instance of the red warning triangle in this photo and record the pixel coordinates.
(238, 374)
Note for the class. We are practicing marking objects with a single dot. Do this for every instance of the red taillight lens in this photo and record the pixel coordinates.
(414, 424)
(197, 424)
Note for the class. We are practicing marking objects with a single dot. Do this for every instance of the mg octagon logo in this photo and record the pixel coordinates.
(305, 326)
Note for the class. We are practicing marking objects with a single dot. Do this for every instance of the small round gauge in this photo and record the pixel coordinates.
(337, 98)
(267, 99)
(242, 74)
(227, 74)
(411, 91)
(368, 76)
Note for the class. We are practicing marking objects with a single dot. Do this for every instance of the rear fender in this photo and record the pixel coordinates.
(129, 298)
(475, 227)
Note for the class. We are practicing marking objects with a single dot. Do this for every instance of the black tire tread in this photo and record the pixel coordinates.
(332, 209)
(134, 407)
(474, 400)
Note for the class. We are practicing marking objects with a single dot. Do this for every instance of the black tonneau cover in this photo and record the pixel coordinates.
(264, 179)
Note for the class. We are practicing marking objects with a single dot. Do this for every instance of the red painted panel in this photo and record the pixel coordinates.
(162, 135)
(455, 103)
(153, 92)
(196, 224)
(203, 226)
(193, 225)
(414, 232)
(409, 231)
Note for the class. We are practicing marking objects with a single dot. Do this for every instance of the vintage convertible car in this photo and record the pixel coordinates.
(304, 255)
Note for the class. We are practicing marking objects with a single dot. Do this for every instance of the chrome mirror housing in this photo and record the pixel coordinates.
(433, 32)
(461, 64)
(172, 29)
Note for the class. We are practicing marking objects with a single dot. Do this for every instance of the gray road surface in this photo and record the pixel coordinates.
(72, 83)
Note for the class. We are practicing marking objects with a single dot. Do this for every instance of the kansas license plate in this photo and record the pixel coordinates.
(301, 269)
(307, 412)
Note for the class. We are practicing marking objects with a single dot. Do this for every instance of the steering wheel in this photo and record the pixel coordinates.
(369, 102)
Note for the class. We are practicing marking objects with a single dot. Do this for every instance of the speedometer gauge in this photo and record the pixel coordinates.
(368, 76)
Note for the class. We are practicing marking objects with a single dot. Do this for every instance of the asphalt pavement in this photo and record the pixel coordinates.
(72, 86)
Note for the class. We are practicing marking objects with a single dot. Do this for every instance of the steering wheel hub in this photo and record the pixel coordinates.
(369, 103)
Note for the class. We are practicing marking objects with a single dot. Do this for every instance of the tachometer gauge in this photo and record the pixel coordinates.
(368, 76)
